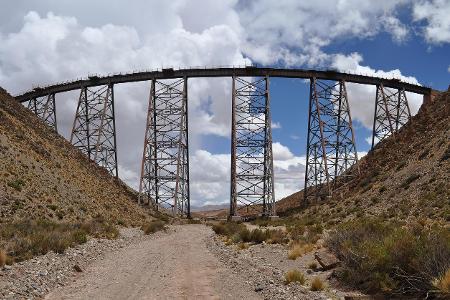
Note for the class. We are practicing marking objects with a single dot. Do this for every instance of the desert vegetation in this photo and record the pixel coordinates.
(23, 240)
(379, 255)
(298, 249)
(153, 226)
(317, 284)
(294, 276)
(236, 233)
(393, 257)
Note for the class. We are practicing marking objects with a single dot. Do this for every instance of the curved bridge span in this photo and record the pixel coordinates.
(331, 150)
(221, 72)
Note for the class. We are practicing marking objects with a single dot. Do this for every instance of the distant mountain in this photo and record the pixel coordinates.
(210, 207)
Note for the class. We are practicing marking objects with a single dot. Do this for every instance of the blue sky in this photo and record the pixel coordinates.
(47, 41)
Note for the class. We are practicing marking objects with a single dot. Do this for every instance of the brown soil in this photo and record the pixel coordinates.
(174, 266)
(42, 176)
(406, 176)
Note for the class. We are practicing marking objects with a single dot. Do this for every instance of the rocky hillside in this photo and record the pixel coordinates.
(43, 177)
(405, 176)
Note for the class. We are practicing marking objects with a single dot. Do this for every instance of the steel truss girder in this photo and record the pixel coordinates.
(252, 183)
(164, 179)
(391, 112)
(94, 129)
(331, 146)
(45, 108)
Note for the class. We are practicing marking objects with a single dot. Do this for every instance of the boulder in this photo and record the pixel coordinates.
(326, 259)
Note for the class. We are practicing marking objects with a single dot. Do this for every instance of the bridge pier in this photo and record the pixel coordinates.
(94, 130)
(164, 179)
(252, 184)
(331, 149)
(391, 112)
(45, 108)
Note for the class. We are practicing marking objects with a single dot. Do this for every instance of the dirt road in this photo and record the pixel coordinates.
(177, 265)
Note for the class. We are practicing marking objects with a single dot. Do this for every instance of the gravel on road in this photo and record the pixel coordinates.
(176, 265)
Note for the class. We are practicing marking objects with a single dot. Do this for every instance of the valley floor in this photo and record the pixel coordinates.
(185, 262)
(177, 265)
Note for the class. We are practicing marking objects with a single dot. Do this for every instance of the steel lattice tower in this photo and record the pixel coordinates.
(331, 144)
(252, 184)
(94, 126)
(391, 112)
(45, 109)
(165, 163)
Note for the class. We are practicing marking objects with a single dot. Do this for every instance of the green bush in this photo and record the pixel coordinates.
(17, 184)
(381, 256)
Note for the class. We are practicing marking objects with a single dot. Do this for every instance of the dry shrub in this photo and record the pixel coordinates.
(317, 284)
(294, 276)
(26, 239)
(100, 228)
(258, 236)
(312, 265)
(194, 221)
(237, 233)
(313, 233)
(443, 283)
(153, 226)
(243, 246)
(228, 242)
(296, 232)
(227, 228)
(2, 258)
(277, 236)
(299, 249)
(387, 257)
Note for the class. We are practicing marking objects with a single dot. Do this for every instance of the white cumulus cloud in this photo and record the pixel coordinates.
(436, 14)
(362, 97)
(296, 31)
(48, 41)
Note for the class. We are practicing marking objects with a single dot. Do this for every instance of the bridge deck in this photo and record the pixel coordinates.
(221, 72)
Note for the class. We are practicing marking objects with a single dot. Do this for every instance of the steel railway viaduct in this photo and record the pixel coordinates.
(164, 182)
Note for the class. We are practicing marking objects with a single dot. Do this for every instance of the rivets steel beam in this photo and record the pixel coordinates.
(331, 149)
(164, 179)
(252, 183)
(93, 129)
(45, 108)
(391, 113)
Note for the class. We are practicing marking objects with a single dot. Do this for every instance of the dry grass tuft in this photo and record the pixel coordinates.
(2, 258)
(294, 276)
(299, 249)
(243, 246)
(153, 227)
(443, 283)
(228, 242)
(312, 265)
(26, 239)
(277, 236)
(317, 284)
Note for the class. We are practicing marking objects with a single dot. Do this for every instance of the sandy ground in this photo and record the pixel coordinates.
(176, 265)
